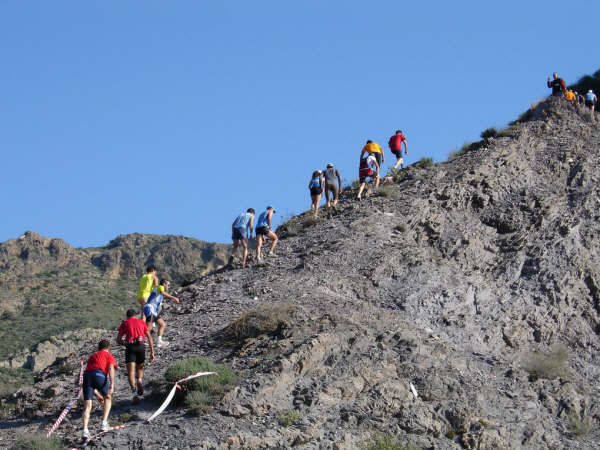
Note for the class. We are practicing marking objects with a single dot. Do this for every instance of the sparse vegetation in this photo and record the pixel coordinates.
(425, 163)
(397, 174)
(547, 366)
(202, 393)
(400, 227)
(12, 380)
(508, 131)
(264, 319)
(311, 220)
(289, 417)
(579, 426)
(380, 441)
(38, 442)
(388, 191)
(122, 419)
(489, 133)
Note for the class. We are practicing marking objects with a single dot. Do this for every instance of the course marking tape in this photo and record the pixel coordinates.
(65, 411)
(153, 416)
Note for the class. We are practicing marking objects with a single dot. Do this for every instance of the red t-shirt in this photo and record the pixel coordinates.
(101, 361)
(134, 330)
(396, 141)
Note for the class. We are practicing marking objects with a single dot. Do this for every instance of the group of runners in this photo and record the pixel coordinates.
(242, 229)
(559, 89)
(134, 334)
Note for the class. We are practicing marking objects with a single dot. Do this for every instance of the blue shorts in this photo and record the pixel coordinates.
(95, 379)
(239, 233)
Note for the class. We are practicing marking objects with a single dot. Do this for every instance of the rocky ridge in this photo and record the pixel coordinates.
(416, 312)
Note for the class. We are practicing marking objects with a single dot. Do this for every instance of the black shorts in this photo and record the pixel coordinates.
(237, 234)
(589, 104)
(398, 153)
(262, 230)
(316, 191)
(135, 353)
(364, 179)
(152, 318)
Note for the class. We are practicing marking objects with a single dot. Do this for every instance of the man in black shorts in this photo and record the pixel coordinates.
(333, 185)
(395, 144)
(263, 231)
(133, 333)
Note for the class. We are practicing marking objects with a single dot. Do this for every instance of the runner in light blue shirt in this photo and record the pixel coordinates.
(241, 229)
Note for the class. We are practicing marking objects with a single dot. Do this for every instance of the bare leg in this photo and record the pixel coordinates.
(259, 242)
(245, 255)
(376, 181)
(275, 240)
(399, 162)
(161, 327)
(87, 408)
(317, 201)
(361, 189)
(131, 369)
(107, 405)
(142, 302)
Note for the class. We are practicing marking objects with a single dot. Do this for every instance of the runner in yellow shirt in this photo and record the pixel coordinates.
(147, 283)
(373, 148)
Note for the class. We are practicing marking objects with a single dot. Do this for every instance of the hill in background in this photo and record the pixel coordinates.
(50, 287)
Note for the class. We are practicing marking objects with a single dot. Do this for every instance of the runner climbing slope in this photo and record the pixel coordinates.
(264, 231)
(153, 309)
(395, 144)
(241, 230)
(367, 169)
(333, 185)
(133, 334)
(99, 381)
(315, 187)
(373, 148)
(147, 283)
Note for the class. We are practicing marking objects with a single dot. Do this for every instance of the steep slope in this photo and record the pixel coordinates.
(49, 287)
(445, 282)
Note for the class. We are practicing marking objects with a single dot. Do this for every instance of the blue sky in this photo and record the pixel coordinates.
(173, 117)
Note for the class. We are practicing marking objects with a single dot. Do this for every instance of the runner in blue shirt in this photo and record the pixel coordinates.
(241, 230)
(263, 231)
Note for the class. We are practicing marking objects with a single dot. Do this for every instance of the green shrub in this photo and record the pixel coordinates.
(289, 418)
(381, 441)
(311, 220)
(37, 442)
(425, 163)
(210, 388)
(489, 133)
(548, 366)
(264, 319)
(12, 380)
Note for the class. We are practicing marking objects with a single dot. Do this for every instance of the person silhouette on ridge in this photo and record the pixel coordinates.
(557, 84)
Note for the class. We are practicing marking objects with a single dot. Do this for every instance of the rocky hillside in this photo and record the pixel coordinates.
(458, 307)
(49, 287)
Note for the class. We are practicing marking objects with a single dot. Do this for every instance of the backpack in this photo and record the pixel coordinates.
(364, 170)
(563, 85)
(315, 183)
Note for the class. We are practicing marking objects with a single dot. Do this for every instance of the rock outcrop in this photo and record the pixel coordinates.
(456, 308)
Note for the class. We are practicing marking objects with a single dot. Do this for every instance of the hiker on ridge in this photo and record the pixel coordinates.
(99, 381)
(147, 283)
(153, 309)
(241, 230)
(373, 148)
(590, 101)
(395, 144)
(263, 231)
(333, 185)
(570, 95)
(315, 186)
(557, 84)
(133, 334)
(367, 169)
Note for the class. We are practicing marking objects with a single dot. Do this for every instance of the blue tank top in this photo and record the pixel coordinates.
(263, 220)
(242, 221)
(315, 182)
(589, 96)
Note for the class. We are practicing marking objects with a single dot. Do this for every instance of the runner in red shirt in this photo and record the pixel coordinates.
(133, 333)
(395, 144)
(98, 380)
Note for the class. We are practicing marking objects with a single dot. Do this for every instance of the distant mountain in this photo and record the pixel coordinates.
(49, 287)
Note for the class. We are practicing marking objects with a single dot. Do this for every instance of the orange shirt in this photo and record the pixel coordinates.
(372, 147)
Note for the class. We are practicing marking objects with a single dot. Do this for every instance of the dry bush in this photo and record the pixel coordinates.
(264, 319)
(579, 426)
(548, 366)
(388, 191)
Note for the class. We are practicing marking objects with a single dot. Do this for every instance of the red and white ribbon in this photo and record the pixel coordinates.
(65, 411)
